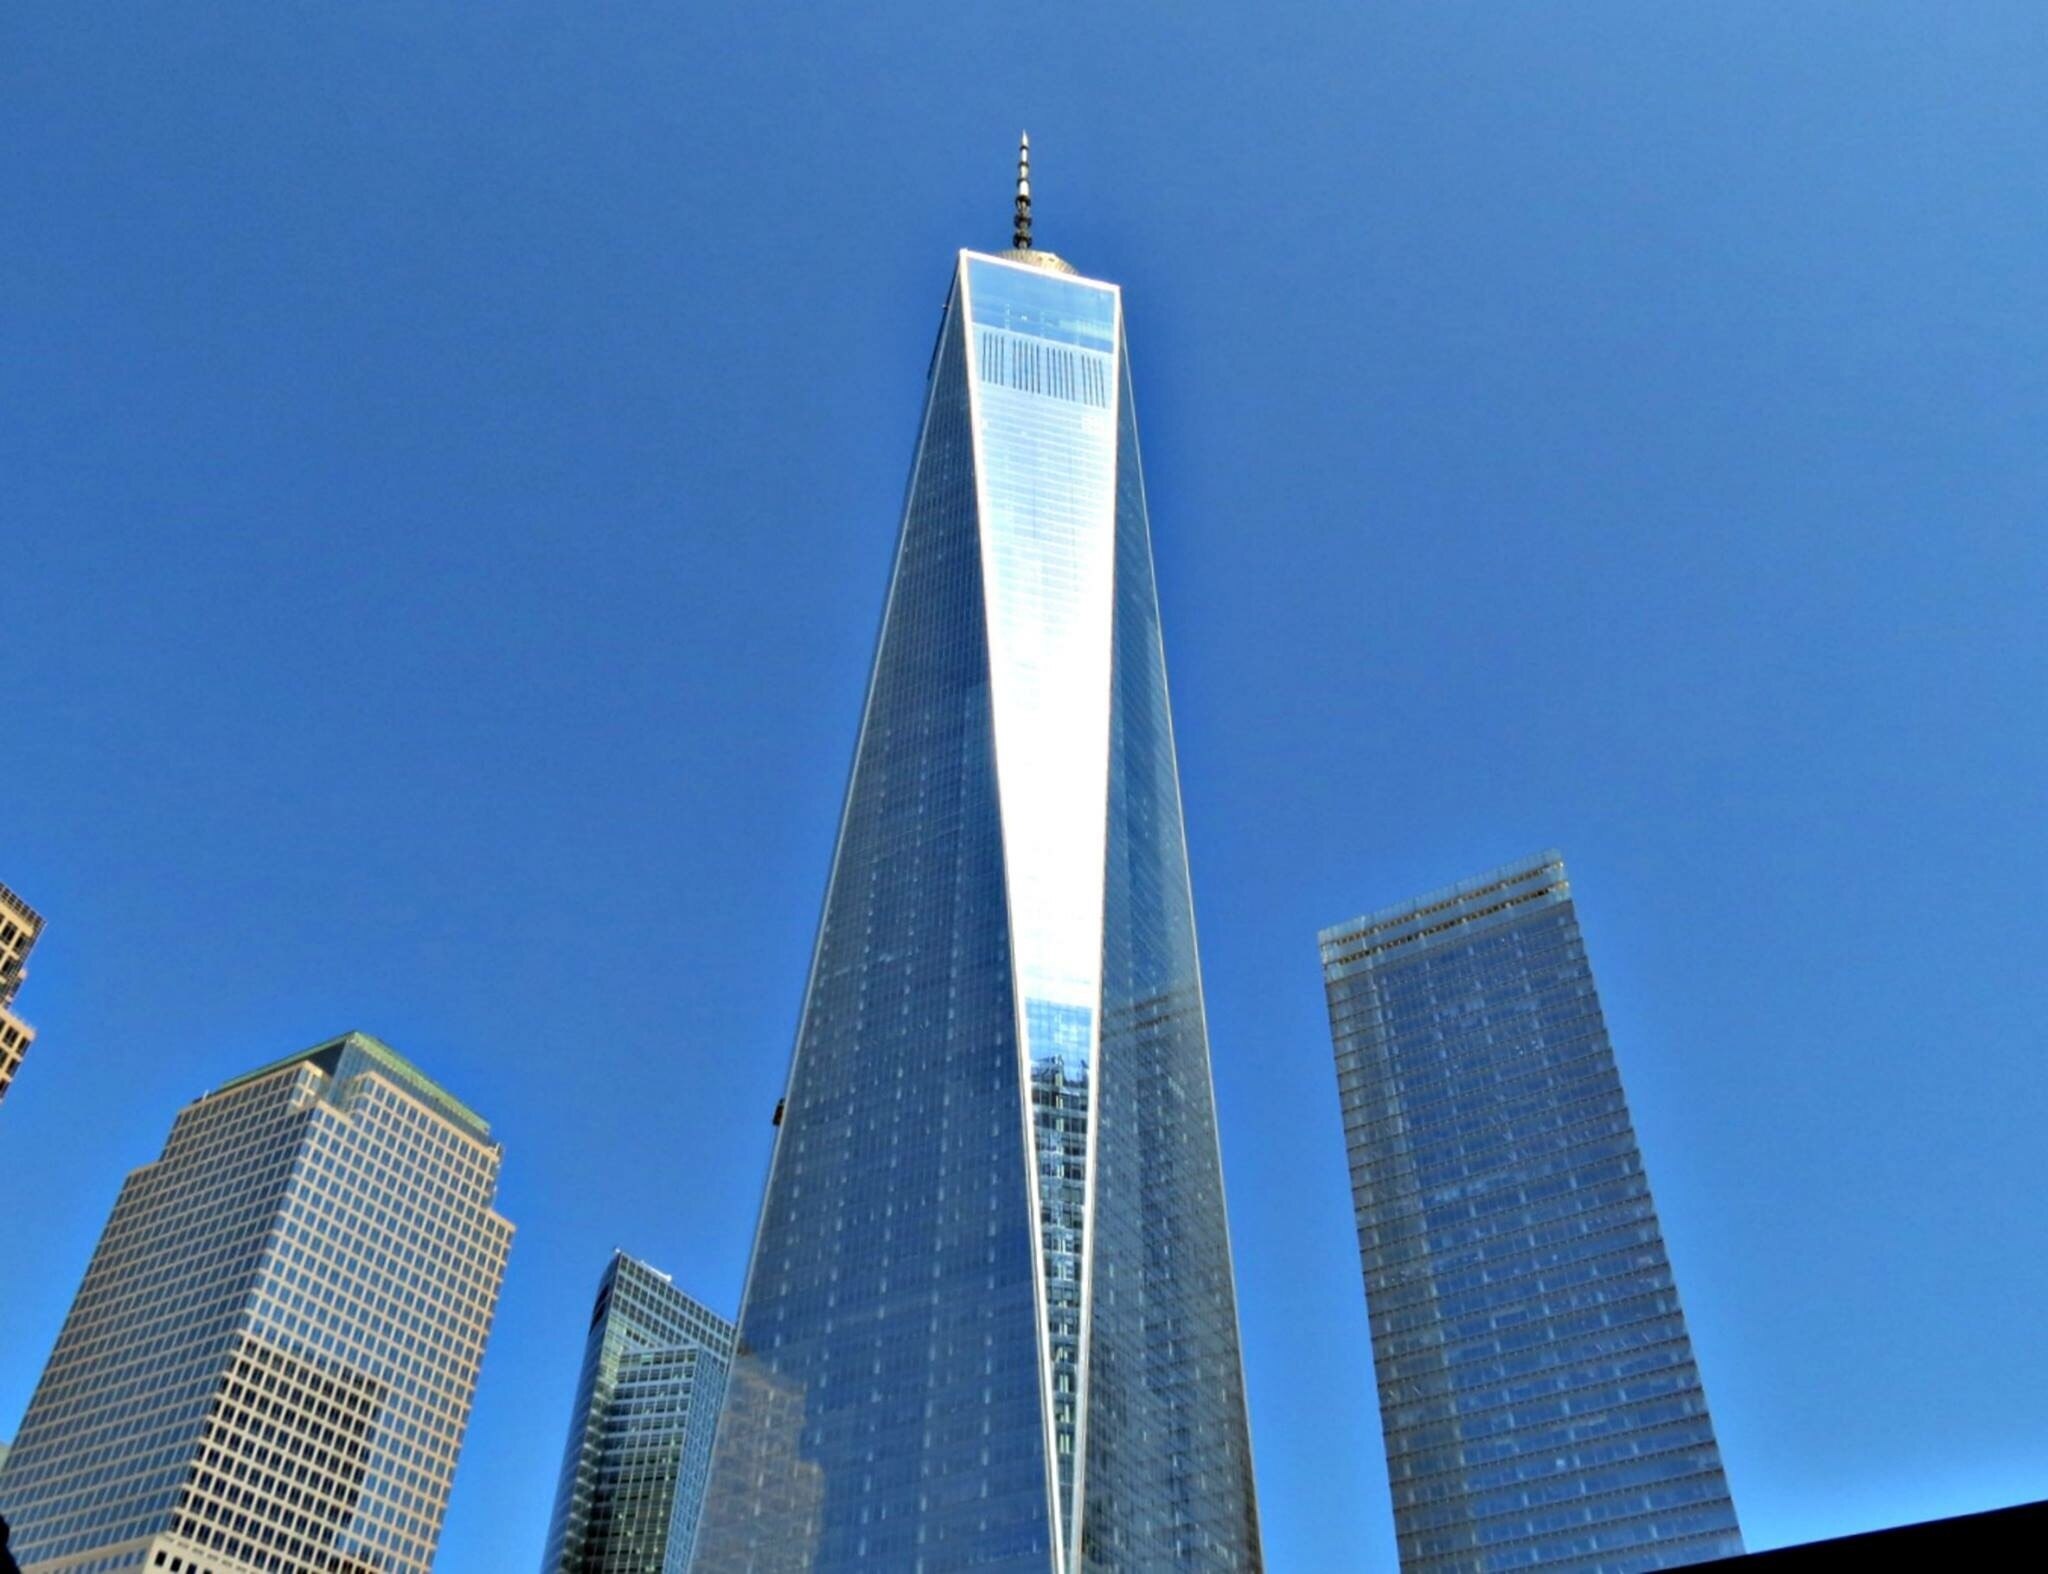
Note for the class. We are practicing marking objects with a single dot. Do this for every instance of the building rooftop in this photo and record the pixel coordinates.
(328, 1056)
(21, 909)
(1483, 901)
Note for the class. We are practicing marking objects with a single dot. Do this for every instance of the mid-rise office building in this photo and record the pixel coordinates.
(640, 1431)
(990, 1320)
(1538, 1393)
(270, 1364)
(20, 927)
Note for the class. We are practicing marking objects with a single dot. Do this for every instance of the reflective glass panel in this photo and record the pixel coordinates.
(1168, 1465)
(1537, 1387)
(1045, 448)
(884, 1410)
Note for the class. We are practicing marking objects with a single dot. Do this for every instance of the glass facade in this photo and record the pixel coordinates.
(1538, 1393)
(990, 1320)
(270, 1364)
(640, 1433)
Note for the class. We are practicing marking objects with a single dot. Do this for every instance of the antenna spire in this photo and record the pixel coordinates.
(1020, 237)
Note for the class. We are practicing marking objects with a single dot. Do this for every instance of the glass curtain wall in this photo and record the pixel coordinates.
(990, 1321)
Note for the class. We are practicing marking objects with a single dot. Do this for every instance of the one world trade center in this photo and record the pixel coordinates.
(990, 1321)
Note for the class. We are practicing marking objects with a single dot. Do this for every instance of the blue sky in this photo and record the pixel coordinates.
(449, 458)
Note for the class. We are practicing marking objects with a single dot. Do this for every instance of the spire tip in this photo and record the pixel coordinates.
(1020, 235)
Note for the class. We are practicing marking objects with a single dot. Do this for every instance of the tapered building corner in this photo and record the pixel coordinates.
(20, 927)
(640, 1428)
(270, 1364)
(990, 1320)
(1538, 1393)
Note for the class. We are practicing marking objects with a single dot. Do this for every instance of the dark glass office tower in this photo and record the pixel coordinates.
(1537, 1389)
(990, 1321)
(640, 1432)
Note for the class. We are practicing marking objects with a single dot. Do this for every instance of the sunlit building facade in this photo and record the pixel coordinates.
(20, 927)
(640, 1429)
(1538, 1393)
(270, 1364)
(990, 1319)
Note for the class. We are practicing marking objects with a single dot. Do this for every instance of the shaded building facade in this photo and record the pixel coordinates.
(1538, 1393)
(990, 1320)
(269, 1366)
(647, 1401)
(20, 927)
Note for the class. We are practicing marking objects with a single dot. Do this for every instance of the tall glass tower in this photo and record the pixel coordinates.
(1538, 1393)
(640, 1432)
(270, 1364)
(990, 1320)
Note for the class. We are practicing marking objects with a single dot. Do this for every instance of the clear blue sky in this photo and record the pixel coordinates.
(449, 459)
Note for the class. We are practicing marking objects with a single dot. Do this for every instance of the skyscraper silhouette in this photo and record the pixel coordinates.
(990, 1320)
(270, 1365)
(1537, 1387)
(640, 1430)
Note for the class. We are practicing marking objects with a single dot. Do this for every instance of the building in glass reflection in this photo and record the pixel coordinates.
(640, 1431)
(990, 1320)
(270, 1364)
(1538, 1393)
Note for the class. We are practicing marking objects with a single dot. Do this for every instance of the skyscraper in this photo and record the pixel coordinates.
(1537, 1388)
(20, 927)
(270, 1363)
(990, 1319)
(640, 1433)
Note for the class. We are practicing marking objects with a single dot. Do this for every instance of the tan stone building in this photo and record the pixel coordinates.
(20, 926)
(270, 1364)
